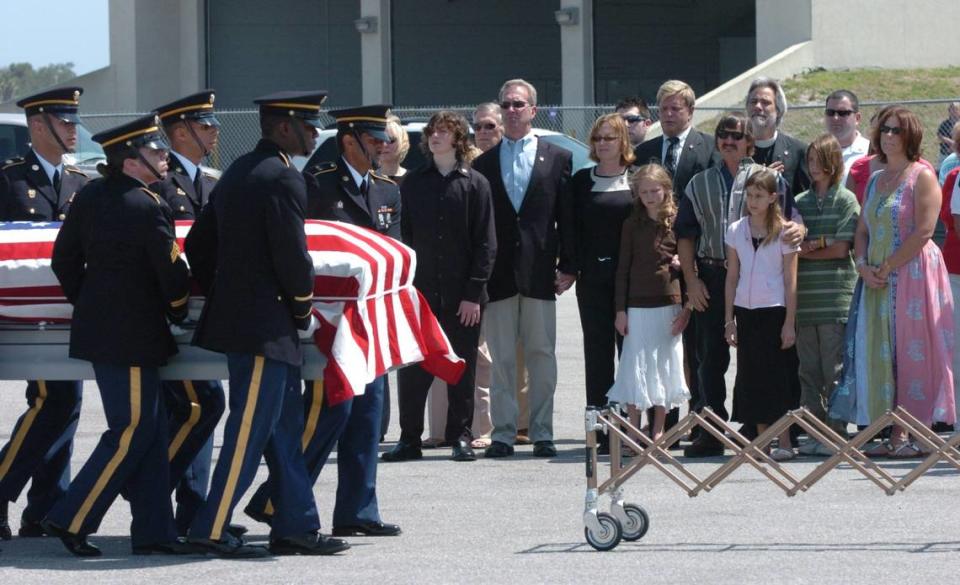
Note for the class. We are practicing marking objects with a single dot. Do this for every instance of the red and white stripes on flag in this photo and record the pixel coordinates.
(372, 318)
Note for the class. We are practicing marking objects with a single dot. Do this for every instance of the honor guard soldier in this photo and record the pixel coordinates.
(194, 407)
(349, 190)
(40, 186)
(258, 310)
(119, 264)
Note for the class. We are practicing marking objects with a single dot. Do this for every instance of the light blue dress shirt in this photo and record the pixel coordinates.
(516, 166)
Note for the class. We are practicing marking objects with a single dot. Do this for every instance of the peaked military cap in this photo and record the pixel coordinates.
(298, 104)
(369, 119)
(142, 132)
(198, 107)
(61, 103)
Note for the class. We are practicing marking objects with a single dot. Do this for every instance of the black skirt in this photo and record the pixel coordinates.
(767, 383)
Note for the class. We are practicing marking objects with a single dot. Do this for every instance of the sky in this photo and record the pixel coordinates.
(56, 31)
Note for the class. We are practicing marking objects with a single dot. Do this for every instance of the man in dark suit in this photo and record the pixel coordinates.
(258, 310)
(533, 213)
(351, 191)
(766, 105)
(682, 149)
(193, 406)
(40, 187)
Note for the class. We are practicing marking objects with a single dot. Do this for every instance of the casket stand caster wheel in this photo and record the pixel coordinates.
(636, 524)
(605, 534)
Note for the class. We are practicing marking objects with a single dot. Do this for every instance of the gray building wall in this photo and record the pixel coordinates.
(640, 44)
(461, 52)
(256, 47)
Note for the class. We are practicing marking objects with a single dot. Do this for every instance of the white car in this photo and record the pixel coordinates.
(327, 147)
(15, 141)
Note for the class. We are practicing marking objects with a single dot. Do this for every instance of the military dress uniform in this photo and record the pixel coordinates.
(259, 300)
(194, 407)
(353, 425)
(42, 441)
(119, 264)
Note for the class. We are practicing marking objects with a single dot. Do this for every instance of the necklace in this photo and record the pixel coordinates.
(885, 182)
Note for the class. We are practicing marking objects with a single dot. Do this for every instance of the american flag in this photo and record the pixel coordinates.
(372, 318)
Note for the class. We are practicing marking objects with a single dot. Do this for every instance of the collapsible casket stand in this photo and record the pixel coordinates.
(630, 522)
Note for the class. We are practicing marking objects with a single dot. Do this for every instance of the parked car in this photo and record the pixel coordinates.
(15, 141)
(327, 147)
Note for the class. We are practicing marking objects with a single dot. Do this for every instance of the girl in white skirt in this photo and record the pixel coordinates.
(649, 312)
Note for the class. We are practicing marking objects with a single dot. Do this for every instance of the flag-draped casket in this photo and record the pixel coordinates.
(372, 318)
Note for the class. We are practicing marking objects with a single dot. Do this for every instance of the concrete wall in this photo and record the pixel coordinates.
(784, 23)
(886, 33)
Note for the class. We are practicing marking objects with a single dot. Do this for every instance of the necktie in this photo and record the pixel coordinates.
(56, 181)
(364, 188)
(198, 187)
(670, 162)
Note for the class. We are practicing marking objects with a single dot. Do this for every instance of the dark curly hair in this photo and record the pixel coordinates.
(457, 125)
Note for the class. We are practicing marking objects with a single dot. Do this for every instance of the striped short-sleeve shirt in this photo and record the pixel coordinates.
(825, 287)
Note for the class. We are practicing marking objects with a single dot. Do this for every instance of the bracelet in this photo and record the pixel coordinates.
(861, 262)
(823, 242)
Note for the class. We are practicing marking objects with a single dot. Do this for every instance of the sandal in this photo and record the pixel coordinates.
(906, 451)
(480, 443)
(881, 451)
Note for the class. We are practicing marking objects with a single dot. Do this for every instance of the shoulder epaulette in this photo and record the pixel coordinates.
(12, 162)
(322, 167)
(151, 193)
(74, 170)
(382, 178)
(284, 158)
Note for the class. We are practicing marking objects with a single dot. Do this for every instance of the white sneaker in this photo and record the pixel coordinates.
(810, 448)
(780, 454)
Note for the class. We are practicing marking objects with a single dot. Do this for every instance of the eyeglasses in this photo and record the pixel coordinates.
(724, 134)
(633, 119)
(604, 138)
(514, 105)
(487, 126)
(842, 113)
(890, 130)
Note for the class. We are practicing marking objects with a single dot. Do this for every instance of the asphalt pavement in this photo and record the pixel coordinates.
(518, 520)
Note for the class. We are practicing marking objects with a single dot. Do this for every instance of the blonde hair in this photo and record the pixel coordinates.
(766, 180)
(676, 87)
(620, 128)
(659, 175)
(403, 140)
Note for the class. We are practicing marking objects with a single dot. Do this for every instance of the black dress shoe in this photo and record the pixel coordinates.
(257, 515)
(706, 446)
(402, 451)
(544, 449)
(177, 547)
(5, 532)
(368, 529)
(30, 529)
(497, 450)
(228, 547)
(236, 530)
(75, 543)
(308, 544)
(462, 451)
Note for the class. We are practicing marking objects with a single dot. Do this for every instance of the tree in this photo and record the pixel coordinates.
(19, 79)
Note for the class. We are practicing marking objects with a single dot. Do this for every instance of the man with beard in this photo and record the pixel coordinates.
(766, 106)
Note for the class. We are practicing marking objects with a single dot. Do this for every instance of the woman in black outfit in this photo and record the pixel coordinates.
(602, 200)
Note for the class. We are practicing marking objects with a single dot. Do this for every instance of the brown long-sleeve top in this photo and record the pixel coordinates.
(644, 276)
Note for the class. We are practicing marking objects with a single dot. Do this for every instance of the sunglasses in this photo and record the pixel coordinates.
(486, 126)
(724, 134)
(514, 105)
(604, 138)
(890, 130)
(633, 119)
(842, 113)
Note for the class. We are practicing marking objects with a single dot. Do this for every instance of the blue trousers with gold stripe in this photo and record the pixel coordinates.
(193, 410)
(265, 419)
(323, 425)
(40, 447)
(131, 456)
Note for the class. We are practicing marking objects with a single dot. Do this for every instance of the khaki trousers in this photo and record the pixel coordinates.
(820, 349)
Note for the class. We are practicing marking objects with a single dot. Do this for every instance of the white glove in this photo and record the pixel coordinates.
(176, 330)
(307, 334)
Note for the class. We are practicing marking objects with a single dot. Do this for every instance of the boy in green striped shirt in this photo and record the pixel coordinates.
(826, 277)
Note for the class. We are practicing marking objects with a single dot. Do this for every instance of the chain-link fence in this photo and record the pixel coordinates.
(240, 128)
